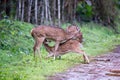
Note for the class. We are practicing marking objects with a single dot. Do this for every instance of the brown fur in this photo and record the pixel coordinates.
(58, 35)
(68, 46)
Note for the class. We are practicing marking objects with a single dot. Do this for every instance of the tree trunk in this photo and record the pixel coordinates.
(19, 11)
(46, 11)
(29, 9)
(54, 11)
(63, 14)
(49, 15)
(36, 18)
(59, 12)
(74, 10)
(22, 16)
(43, 14)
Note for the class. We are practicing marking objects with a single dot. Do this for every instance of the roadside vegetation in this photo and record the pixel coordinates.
(16, 55)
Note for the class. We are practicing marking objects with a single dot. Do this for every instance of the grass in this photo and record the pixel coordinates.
(16, 57)
(99, 39)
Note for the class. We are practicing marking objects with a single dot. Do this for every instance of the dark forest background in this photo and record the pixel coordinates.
(55, 12)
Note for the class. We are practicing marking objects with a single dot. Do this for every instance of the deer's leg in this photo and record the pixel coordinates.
(40, 42)
(37, 45)
(56, 48)
(84, 55)
(50, 55)
(59, 57)
(35, 48)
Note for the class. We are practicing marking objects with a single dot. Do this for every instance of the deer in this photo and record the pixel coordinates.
(59, 35)
(72, 45)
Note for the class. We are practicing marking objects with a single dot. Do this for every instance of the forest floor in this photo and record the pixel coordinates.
(103, 67)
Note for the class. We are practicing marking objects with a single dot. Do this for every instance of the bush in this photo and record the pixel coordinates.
(84, 11)
(15, 36)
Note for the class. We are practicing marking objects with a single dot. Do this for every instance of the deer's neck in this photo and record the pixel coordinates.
(70, 36)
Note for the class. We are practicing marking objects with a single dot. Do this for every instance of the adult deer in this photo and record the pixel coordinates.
(72, 45)
(56, 34)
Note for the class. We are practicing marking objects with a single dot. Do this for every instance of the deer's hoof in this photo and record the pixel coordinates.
(86, 62)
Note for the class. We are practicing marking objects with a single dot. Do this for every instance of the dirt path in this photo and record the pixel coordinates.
(100, 68)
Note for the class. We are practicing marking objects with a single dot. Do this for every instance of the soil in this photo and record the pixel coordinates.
(104, 67)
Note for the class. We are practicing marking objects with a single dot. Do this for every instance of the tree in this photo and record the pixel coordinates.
(104, 11)
(55, 12)
(36, 11)
(29, 9)
(22, 15)
(59, 13)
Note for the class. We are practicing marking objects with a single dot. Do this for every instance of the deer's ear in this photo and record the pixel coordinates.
(67, 29)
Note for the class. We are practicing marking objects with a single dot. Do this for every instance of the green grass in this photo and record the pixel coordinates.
(99, 39)
(16, 56)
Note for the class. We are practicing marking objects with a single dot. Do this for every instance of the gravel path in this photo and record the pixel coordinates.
(104, 67)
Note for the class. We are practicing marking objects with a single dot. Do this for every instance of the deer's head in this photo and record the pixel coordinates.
(72, 29)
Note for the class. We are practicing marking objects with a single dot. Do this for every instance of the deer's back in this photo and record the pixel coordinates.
(50, 32)
(70, 45)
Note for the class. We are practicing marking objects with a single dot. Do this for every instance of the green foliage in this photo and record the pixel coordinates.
(98, 39)
(15, 42)
(13, 35)
(16, 64)
(118, 3)
(84, 11)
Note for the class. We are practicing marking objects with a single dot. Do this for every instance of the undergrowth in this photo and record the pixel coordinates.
(16, 56)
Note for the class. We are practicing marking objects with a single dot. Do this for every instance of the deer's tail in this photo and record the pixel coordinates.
(33, 34)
